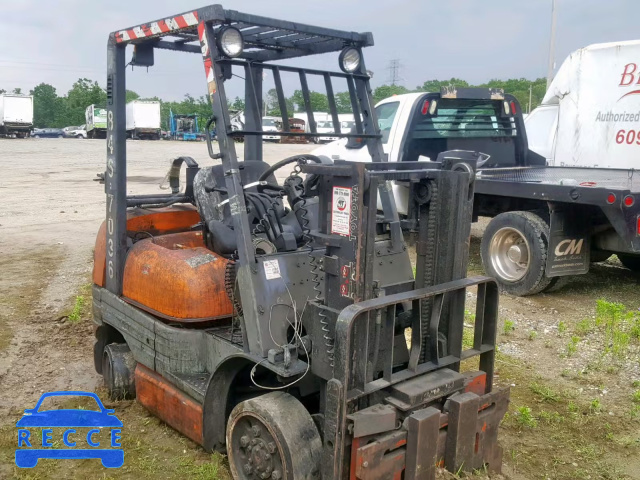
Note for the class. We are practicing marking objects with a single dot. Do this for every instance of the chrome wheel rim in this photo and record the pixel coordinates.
(509, 253)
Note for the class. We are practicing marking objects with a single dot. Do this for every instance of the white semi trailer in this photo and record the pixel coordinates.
(16, 115)
(143, 120)
(590, 115)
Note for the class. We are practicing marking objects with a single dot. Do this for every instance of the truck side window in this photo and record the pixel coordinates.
(386, 113)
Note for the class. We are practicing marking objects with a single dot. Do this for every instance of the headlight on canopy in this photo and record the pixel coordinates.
(350, 59)
(230, 42)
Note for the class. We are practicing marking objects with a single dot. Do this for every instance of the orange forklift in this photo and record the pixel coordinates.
(281, 322)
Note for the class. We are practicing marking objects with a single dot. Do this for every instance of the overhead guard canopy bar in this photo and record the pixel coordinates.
(265, 38)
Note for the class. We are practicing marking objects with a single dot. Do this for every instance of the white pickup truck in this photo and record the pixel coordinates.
(547, 222)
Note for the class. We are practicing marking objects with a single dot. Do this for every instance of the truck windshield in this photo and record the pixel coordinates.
(461, 118)
(386, 113)
(268, 122)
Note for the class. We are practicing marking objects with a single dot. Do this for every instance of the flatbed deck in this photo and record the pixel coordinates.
(612, 179)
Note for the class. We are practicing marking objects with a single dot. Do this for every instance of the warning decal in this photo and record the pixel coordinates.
(271, 269)
(341, 211)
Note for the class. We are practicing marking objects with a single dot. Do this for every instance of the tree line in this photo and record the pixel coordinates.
(57, 111)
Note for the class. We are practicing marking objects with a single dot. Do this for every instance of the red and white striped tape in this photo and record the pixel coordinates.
(167, 25)
(208, 64)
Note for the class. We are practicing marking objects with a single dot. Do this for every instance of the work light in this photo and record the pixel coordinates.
(230, 42)
(349, 59)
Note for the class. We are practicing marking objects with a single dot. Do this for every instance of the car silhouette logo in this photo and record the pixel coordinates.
(29, 452)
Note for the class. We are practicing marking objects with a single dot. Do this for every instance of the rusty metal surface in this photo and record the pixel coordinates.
(423, 389)
(423, 429)
(376, 419)
(462, 437)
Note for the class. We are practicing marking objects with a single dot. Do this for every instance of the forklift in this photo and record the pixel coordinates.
(282, 322)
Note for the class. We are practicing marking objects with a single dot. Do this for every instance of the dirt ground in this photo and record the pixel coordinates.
(571, 357)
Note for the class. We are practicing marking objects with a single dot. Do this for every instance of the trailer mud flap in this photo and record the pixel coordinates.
(569, 250)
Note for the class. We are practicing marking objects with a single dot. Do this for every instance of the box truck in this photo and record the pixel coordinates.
(143, 120)
(96, 121)
(16, 115)
(590, 116)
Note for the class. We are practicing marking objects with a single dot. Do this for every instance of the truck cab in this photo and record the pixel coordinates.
(420, 126)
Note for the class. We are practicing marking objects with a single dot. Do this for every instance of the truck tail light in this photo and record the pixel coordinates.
(507, 109)
(513, 107)
(611, 199)
(425, 107)
(638, 226)
(432, 108)
(629, 201)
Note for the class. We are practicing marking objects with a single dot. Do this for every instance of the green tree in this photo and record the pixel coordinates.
(47, 106)
(237, 104)
(319, 102)
(436, 85)
(273, 106)
(386, 91)
(82, 94)
(17, 91)
(130, 96)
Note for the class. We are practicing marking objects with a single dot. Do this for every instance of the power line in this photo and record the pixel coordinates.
(394, 71)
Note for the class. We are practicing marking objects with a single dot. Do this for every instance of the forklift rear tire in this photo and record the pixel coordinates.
(632, 262)
(118, 371)
(514, 251)
(273, 436)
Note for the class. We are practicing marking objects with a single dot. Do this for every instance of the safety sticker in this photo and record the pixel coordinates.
(341, 211)
(271, 269)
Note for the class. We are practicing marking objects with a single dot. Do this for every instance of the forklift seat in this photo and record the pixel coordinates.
(208, 201)
(216, 217)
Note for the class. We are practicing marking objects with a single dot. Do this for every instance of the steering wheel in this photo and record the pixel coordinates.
(278, 165)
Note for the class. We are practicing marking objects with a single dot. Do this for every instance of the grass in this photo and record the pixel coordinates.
(572, 346)
(509, 327)
(525, 418)
(547, 424)
(544, 392)
(81, 305)
(620, 326)
(635, 396)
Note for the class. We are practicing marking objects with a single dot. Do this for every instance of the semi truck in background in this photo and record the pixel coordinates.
(143, 120)
(546, 222)
(16, 115)
(590, 115)
(96, 121)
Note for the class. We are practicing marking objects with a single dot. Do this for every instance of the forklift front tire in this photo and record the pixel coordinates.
(273, 436)
(118, 371)
(514, 251)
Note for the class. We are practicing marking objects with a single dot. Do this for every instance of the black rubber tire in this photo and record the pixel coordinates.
(536, 232)
(632, 262)
(118, 371)
(297, 441)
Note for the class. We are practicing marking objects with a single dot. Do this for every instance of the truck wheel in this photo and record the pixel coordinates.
(118, 369)
(273, 436)
(514, 251)
(632, 262)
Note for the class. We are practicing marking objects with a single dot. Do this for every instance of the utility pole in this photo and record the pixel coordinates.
(552, 43)
(530, 95)
(394, 71)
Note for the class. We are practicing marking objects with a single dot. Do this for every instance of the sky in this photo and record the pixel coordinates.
(57, 42)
